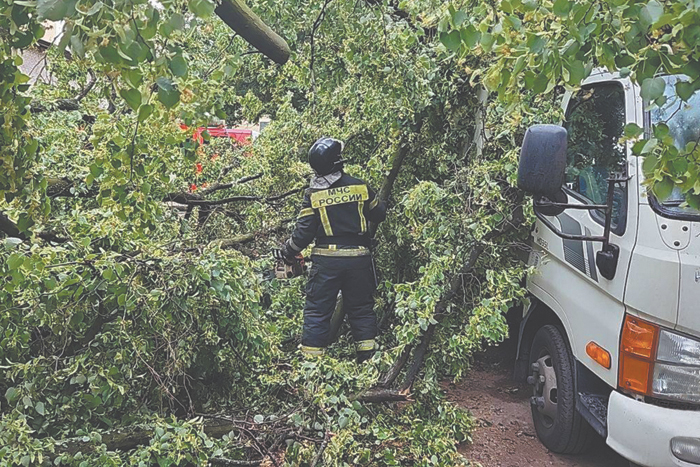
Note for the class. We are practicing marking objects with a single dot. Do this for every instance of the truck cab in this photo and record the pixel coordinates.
(610, 339)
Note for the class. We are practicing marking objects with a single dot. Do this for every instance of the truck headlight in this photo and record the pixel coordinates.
(659, 363)
(677, 368)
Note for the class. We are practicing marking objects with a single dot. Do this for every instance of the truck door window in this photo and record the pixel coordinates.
(683, 120)
(595, 120)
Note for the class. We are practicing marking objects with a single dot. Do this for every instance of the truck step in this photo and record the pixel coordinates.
(594, 408)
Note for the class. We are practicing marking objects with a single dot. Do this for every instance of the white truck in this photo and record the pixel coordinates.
(610, 340)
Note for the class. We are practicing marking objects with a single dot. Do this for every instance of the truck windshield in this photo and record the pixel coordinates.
(683, 120)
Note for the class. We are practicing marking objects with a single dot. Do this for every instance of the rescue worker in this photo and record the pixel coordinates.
(336, 211)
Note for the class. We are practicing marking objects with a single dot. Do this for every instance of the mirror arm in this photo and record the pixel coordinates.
(566, 236)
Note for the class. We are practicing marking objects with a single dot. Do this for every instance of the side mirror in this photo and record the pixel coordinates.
(543, 161)
(541, 173)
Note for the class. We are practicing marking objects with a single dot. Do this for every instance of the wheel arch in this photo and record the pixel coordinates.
(538, 314)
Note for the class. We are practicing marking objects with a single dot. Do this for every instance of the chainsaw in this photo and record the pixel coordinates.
(283, 270)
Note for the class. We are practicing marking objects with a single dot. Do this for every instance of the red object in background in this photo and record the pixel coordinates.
(244, 137)
(198, 167)
(193, 188)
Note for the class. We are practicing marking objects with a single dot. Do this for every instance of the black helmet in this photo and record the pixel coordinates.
(324, 156)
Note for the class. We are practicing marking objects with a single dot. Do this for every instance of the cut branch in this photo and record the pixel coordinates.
(250, 27)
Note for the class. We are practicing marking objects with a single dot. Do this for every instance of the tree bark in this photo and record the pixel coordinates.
(250, 27)
(388, 185)
(375, 395)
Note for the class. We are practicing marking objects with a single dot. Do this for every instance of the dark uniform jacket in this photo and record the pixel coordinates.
(338, 215)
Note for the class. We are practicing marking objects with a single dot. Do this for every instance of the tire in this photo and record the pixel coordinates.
(558, 424)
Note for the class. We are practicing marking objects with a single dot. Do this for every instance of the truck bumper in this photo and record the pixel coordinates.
(643, 432)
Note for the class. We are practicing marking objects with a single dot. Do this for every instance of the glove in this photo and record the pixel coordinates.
(286, 254)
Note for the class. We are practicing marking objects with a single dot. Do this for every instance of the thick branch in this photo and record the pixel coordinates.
(225, 186)
(61, 187)
(226, 462)
(250, 27)
(391, 375)
(396, 162)
(375, 395)
(124, 439)
(190, 200)
(249, 237)
(9, 228)
(60, 104)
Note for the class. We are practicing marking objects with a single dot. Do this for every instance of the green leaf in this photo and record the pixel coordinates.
(540, 83)
(562, 7)
(649, 165)
(632, 130)
(168, 95)
(55, 10)
(94, 8)
(577, 71)
(536, 43)
(470, 36)
(459, 17)
(487, 41)
(663, 189)
(65, 38)
(39, 406)
(451, 40)
(201, 8)
(145, 111)
(77, 47)
(652, 89)
(661, 130)
(121, 300)
(685, 90)
(132, 97)
(178, 65)
(15, 261)
(12, 394)
(653, 11)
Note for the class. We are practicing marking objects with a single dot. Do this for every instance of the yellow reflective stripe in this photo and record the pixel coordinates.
(312, 351)
(326, 222)
(340, 195)
(306, 212)
(342, 252)
(373, 203)
(364, 346)
(363, 222)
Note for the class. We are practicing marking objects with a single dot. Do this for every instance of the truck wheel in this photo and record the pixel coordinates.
(558, 424)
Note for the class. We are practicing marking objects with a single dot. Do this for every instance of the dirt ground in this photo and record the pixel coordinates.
(505, 435)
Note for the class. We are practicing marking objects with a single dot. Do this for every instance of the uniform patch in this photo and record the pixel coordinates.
(340, 195)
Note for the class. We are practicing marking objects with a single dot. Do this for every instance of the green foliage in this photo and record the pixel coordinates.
(535, 47)
(142, 317)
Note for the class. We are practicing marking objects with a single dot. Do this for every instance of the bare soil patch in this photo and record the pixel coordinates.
(505, 435)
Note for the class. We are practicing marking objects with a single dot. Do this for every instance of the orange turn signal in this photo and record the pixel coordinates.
(599, 354)
(637, 354)
(639, 337)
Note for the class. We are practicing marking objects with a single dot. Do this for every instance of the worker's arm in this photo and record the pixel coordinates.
(376, 208)
(305, 229)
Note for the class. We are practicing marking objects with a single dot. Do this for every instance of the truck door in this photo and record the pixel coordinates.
(591, 306)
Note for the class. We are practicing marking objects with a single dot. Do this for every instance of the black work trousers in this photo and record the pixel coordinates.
(354, 276)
